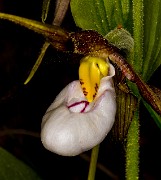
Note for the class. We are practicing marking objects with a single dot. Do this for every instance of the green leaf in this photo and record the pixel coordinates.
(87, 15)
(152, 37)
(154, 115)
(13, 169)
(102, 15)
(138, 35)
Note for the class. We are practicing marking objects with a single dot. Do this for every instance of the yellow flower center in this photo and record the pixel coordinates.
(91, 71)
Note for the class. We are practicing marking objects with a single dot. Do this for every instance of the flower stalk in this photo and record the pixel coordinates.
(93, 163)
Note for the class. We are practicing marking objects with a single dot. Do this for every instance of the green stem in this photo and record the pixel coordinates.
(132, 149)
(93, 163)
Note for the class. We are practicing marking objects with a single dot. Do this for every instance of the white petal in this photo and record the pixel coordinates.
(68, 132)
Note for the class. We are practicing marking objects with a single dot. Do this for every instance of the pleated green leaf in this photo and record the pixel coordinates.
(13, 169)
(152, 37)
(138, 35)
(102, 15)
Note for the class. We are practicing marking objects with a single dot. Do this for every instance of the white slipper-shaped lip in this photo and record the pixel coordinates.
(71, 125)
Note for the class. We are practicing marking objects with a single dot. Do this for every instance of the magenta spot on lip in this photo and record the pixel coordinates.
(86, 103)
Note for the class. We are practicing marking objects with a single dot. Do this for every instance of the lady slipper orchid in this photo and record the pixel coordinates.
(72, 124)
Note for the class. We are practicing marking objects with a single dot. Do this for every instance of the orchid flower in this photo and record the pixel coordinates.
(74, 123)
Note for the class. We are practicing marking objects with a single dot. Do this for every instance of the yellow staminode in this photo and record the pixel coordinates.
(91, 70)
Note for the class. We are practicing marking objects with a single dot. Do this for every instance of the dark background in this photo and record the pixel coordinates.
(22, 107)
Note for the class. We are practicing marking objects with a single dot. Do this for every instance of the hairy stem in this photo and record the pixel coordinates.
(132, 150)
